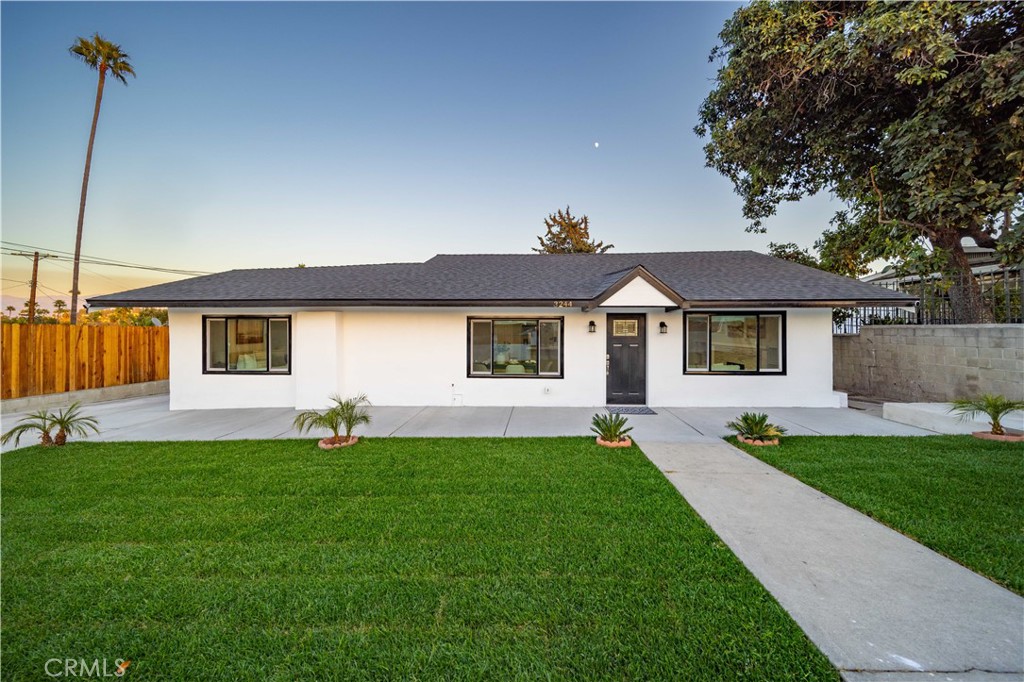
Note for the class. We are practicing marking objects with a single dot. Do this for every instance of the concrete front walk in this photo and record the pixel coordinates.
(149, 418)
(879, 605)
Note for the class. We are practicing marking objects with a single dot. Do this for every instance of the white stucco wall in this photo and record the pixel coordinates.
(417, 356)
(316, 366)
(191, 389)
(807, 382)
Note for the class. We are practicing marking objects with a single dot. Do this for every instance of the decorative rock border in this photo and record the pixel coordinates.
(614, 444)
(751, 441)
(327, 444)
(1006, 438)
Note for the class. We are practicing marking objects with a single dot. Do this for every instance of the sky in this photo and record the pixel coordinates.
(272, 134)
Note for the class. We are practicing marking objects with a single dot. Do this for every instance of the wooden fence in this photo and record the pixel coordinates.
(53, 358)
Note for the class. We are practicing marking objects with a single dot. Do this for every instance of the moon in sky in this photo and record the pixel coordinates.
(596, 145)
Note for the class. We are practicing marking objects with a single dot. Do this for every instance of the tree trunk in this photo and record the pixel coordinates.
(85, 192)
(965, 296)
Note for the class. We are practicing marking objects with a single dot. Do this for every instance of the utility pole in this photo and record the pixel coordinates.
(34, 281)
(32, 290)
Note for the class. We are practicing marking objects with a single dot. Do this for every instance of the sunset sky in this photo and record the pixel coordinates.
(272, 134)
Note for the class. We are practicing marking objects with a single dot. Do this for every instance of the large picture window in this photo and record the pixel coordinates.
(515, 347)
(738, 343)
(247, 344)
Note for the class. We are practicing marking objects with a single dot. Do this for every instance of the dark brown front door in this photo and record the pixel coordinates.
(627, 360)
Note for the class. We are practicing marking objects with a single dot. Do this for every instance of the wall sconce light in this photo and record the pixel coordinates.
(592, 327)
(663, 328)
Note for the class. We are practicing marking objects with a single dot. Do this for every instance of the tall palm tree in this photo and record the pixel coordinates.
(104, 56)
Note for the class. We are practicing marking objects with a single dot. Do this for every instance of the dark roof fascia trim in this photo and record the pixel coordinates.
(804, 303)
(644, 274)
(306, 303)
(488, 303)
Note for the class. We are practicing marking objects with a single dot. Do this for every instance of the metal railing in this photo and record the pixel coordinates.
(1001, 288)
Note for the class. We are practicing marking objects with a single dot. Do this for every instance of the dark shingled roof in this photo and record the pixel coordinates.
(700, 277)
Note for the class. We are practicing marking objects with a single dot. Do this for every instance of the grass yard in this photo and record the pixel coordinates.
(398, 558)
(956, 494)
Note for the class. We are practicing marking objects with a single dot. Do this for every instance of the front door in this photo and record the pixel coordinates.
(626, 362)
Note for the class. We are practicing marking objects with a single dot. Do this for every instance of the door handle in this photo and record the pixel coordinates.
(607, 364)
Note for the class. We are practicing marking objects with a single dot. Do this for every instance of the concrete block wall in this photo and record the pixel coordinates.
(930, 363)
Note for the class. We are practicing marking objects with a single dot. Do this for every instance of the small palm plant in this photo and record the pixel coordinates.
(40, 421)
(71, 421)
(754, 426)
(328, 420)
(352, 412)
(344, 414)
(995, 407)
(611, 428)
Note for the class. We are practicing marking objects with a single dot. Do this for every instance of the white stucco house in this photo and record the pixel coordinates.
(681, 329)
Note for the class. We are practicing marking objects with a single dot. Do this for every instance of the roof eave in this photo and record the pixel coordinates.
(587, 306)
(802, 303)
(328, 303)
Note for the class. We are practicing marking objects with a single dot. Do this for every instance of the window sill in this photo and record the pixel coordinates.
(738, 373)
(515, 376)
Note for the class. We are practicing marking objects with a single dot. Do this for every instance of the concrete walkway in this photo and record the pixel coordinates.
(879, 605)
(150, 419)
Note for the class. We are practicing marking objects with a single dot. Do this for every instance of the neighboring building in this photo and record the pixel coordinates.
(982, 261)
(1000, 287)
(720, 328)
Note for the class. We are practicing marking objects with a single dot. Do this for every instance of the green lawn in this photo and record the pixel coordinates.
(400, 558)
(956, 494)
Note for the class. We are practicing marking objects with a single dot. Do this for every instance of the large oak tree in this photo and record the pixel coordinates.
(910, 113)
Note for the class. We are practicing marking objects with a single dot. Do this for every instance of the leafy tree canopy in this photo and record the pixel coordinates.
(566, 234)
(131, 317)
(911, 113)
(793, 253)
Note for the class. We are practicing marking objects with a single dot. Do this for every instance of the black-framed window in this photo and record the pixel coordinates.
(735, 343)
(247, 345)
(515, 347)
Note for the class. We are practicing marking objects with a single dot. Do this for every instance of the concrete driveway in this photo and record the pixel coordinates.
(149, 418)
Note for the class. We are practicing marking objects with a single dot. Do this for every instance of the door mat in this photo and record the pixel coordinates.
(630, 409)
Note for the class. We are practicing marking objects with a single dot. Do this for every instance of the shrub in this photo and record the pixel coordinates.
(755, 426)
(610, 427)
(995, 407)
(67, 421)
(70, 421)
(344, 414)
(40, 420)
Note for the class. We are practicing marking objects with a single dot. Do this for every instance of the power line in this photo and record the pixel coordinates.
(69, 253)
(55, 293)
(92, 261)
(10, 248)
